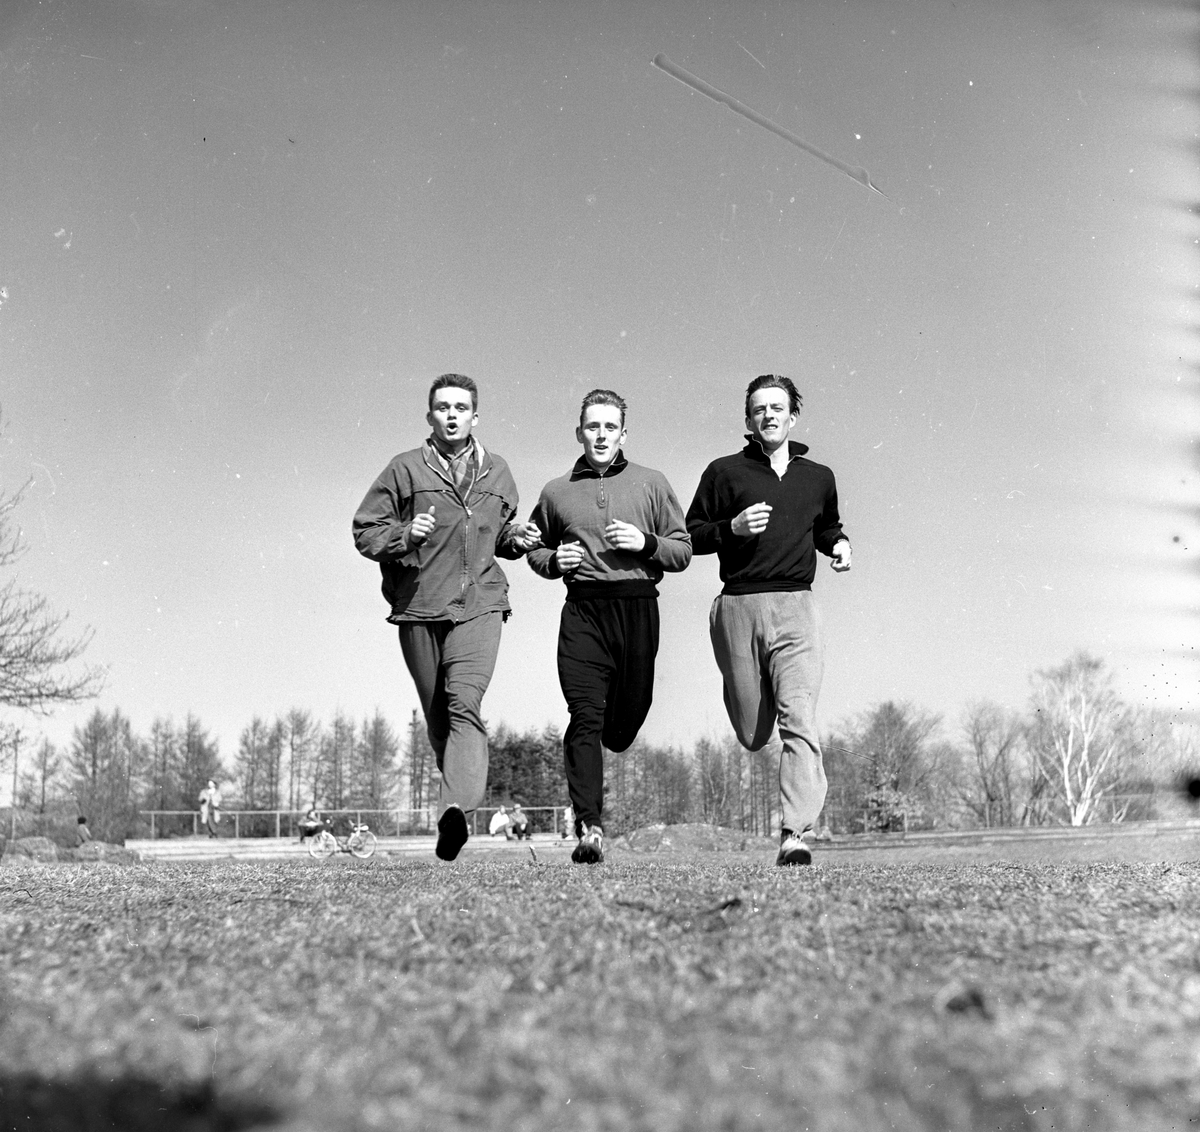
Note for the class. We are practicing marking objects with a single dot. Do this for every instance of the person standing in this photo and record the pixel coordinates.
(210, 808)
(609, 529)
(765, 511)
(434, 520)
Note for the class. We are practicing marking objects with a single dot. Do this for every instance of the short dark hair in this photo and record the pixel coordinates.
(775, 381)
(455, 381)
(603, 397)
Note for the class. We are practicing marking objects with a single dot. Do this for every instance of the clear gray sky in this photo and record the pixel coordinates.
(237, 241)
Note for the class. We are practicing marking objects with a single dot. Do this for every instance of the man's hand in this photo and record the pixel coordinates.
(841, 556)
(752, 521)
(568, 556)
(625, 536)
(421, 527)
(527, 536)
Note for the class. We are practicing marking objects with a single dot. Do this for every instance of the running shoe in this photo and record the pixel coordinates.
(792, 850)
(452, 833)
(590, 850)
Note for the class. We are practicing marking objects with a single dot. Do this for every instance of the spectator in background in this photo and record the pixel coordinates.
(210, 808)
(82, 834)
(568, 821)
(310, 825)
(499, 823)
(519, 823)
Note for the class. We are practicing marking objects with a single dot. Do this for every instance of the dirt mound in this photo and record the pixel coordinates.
(33, 848)
(44, 850)
(101, 851)
(692, 837)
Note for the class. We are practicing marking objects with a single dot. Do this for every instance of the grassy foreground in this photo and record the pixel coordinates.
(647, 993)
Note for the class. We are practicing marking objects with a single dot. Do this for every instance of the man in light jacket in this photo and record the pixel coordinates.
(434, 520)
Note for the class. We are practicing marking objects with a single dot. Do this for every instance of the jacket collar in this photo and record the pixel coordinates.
(430, 454)
(583, 470)
(754, 450)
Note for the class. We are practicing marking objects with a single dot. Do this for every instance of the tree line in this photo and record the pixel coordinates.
(1076, 755)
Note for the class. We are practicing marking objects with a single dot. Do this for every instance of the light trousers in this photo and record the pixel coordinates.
(771, 654)
(451, 664)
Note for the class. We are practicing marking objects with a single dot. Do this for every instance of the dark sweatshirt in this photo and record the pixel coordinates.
(804, 519)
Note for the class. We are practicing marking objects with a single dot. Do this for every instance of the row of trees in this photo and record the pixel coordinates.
(1077, 755)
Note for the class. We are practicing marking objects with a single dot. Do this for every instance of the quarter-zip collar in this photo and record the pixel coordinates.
(584, 470)
(755, 451)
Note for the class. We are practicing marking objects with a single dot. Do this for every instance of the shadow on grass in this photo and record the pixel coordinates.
(124, 1104)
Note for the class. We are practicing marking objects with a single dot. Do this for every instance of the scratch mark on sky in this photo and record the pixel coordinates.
(688, 79)
(835, 240)
(751, 54)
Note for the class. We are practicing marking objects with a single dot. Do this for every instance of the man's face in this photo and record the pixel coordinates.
(771, 418)
(601, 434)
(452, 416)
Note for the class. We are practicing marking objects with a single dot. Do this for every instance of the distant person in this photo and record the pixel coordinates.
(499, 823)
(210, 808)
(519, 823)
(765, 511)
(82, 834)
(609, 528)
(568, 822)
(310, 825)
(434, 520)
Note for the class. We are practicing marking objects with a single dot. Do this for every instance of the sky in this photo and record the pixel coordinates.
(238, 240)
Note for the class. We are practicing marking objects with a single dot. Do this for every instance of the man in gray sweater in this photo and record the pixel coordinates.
(609, 529)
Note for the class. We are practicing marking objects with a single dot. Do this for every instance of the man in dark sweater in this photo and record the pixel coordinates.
(609, 529)
(764, 512)
(435, 519)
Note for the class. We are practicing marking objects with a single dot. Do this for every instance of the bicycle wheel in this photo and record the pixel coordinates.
(322, 845)
(362, 844)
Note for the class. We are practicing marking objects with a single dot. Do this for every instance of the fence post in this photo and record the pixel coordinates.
(151, 825)
(277, 825)
(195, 824)
(237, 825)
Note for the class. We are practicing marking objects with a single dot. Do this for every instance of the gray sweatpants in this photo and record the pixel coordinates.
(451, 664)
(771, 655)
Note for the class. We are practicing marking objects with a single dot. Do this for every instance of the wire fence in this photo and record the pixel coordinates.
(286, 823)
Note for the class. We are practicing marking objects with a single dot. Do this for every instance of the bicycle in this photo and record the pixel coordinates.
(360, 842)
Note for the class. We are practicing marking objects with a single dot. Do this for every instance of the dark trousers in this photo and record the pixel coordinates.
(606, 651)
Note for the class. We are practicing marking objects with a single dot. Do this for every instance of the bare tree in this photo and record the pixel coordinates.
(996, 785)
(36, 655)
(1080, 735)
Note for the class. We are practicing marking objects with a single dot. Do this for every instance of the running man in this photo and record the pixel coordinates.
(609, 529)
(434, 521)
(764, 512)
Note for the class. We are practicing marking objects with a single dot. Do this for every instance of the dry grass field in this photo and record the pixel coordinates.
(657, 991)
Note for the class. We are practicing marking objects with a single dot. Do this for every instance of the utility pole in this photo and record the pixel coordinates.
(12, 809)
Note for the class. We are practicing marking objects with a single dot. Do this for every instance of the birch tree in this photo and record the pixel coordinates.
(1080, 735)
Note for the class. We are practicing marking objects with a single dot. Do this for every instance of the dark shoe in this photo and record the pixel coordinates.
(792, 850)
(452, 833)
(590, 850)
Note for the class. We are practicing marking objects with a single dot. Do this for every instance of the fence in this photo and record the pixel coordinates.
(286, 823)
(1164, 805)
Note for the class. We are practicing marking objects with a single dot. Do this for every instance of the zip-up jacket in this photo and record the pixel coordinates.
(453, 574)
(578, 506)
(804, 519)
